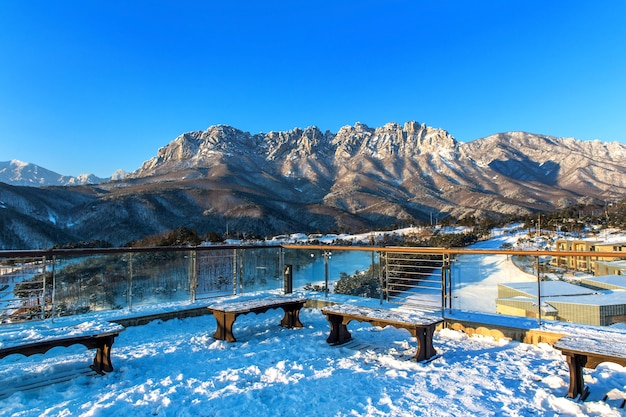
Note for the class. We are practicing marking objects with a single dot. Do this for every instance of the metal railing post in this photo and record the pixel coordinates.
(287, 272)
(538, 294)
(386, 276)
(43, 289)
(326, 255)
(235, 274)
(193, 275)
(54, 287)
(445, 284)
(129, 293)
(381, 283)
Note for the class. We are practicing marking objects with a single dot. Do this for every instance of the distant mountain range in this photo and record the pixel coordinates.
(359, 178)
(16, 172)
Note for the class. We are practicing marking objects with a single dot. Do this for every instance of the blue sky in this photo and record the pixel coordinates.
(95, 86)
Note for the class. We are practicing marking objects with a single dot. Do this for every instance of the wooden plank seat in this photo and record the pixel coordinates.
(226, 313)
(588, 352)
(39, 337)
(421, 325)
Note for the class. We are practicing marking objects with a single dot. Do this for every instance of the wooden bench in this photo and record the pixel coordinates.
(421, 325)
(586, 352)
(227, 312)
(39, 337)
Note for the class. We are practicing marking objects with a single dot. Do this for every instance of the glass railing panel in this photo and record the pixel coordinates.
(22, 295)
(347, 271)
(307, 267)
(160, 277)
(215, 273)
(89, 283)
(259, 269)
(477, 281)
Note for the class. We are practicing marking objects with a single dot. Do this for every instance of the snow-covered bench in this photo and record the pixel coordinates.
(420, 324)
(588, 352)
(39, 337)
(226, 312)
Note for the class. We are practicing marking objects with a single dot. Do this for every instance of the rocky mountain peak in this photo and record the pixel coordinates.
(288, 149)
(295, 143)
(391, 140)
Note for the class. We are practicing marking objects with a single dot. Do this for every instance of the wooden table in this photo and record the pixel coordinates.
(227, 312)
(421, 325)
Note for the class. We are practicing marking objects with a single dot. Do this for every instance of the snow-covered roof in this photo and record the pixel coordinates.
(614, 280)
(612, 243)
(550, 289)
(619, 262)
(609, 298)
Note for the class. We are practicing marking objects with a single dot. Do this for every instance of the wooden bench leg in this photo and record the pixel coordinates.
(102, 361)
(339, 333)
(224, 329)
(292, 317)
(429, 349)
(576, 364)
(424, 336)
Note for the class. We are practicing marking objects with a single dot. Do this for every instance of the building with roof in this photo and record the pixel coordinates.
(585, 263)
(610, 247)
(577, 263)
(610, 267)
(562, 301)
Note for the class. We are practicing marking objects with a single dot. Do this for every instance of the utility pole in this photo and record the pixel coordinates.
(539, 224)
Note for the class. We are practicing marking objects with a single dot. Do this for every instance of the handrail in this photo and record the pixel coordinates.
(390, 249)
(106, 251)
(460, 251)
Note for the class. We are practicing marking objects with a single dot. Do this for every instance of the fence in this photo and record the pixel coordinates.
(43, 284)
(54, 283)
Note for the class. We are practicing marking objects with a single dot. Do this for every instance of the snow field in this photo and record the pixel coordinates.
(176, 368)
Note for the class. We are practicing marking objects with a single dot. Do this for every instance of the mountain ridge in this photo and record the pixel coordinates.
(307, 180)
(16, 172)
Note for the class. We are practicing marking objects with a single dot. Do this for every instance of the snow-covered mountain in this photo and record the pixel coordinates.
(401, 171)
(16, 172)
(359, 178)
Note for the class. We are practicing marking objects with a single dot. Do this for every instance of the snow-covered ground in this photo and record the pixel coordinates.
(176, 368)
